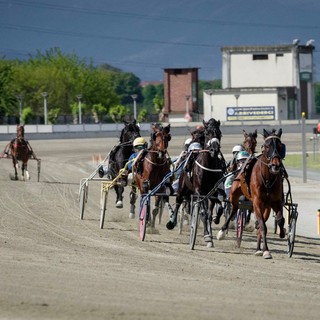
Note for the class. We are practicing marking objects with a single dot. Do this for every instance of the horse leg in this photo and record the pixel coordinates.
(280, 221)
(262, 235)
(25, 172)
(174, 215)
(235, 194)
(219, 212)
(119, 191)
(133, 198)
(155, 211)
(15, 166)
(206, 217)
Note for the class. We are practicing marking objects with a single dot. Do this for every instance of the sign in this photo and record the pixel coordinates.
(250, 113)
(305, 76)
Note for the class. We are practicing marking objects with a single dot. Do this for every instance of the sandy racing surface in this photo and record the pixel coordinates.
(55, 266)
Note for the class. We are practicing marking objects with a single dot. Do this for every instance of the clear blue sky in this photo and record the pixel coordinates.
(146, 36)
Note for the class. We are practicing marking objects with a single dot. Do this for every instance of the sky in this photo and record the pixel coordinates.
(146, 36)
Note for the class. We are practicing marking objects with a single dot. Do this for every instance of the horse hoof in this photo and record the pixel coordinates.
(283, 233)
(207, 238)
(221, 235)
(267, 255)
(170, 225)
(216, 220)
(131, 215)
(258, 253)
(249, 228)
(210, 244)
(119, 204)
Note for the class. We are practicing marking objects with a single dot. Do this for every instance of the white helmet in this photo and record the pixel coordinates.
(195, 146)
(237, 148)
(188, 141)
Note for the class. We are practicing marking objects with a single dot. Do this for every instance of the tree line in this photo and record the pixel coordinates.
(105, 92)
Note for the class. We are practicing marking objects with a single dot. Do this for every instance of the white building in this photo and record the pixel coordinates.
(263, 83)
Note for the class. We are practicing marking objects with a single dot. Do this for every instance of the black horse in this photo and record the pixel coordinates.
(207, 169)
(119, 156)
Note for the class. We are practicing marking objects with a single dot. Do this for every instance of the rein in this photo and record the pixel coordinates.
(154, 163)
(207, 169)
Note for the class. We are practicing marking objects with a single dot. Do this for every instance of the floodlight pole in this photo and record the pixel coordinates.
(79, 97)
(134, 97)
(45, 94)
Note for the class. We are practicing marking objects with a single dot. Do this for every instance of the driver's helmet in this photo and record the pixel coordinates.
(188, 141)
(237, 149)
(194, 146)
(243, 155)
(139, 143)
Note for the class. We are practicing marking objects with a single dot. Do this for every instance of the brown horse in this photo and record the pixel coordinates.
(20, 150)
(249, 144)
(250, 141)
(261, 182)
(156, 165)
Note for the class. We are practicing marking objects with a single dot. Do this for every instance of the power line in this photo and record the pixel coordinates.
(126, 15)
(96, 61)
(95, 36)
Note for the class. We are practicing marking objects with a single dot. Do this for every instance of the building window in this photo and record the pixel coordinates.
(279, 54)
(260, 57)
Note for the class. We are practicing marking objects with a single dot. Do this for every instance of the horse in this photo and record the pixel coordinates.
(261, 181)
(249, 144)
(119, 156)
(250, 141)
(20, 150)
(207, 169)
(155, 166)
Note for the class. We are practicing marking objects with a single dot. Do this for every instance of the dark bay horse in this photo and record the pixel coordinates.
(261, 181)
(119, 156)
(156, 165)
(20, 150)
(207, 169)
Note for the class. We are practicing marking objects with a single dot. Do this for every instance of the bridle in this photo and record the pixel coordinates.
(271, 152)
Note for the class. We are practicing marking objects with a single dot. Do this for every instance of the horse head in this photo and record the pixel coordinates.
(130, 131)
(212, 129)
(272, 149)
(250, 141)
(213, 146)
(20, 131)
(198, 135)
(160, 139)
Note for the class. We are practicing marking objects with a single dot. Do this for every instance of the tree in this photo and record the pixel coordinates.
(118, 113)
(142, 117)
(125, 84)
(8, 99)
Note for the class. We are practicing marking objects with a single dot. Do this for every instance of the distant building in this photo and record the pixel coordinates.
(263, 83)
(147, 83)
(181, 100)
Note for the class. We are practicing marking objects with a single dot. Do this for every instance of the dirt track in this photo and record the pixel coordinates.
(55, 266)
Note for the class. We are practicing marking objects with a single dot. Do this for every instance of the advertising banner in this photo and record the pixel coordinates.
(250, 113)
